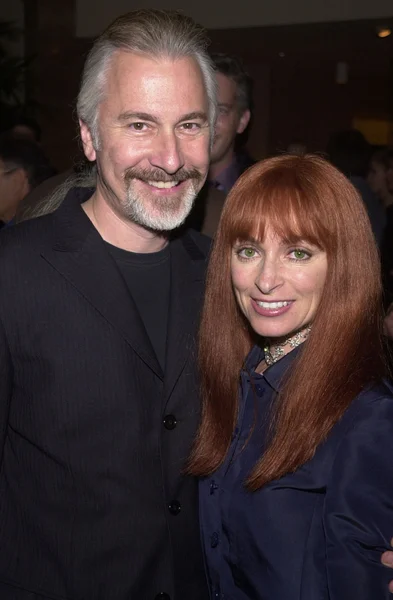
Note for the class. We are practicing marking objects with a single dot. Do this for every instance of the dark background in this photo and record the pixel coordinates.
(296, 96)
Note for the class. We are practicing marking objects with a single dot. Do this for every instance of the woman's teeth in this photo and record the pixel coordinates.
(272, 305)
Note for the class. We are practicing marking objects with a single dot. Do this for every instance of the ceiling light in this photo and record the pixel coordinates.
(383, 32)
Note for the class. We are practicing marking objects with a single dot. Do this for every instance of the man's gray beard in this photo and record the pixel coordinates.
(174, 211)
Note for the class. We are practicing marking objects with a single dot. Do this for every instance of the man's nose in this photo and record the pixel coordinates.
(167, 154)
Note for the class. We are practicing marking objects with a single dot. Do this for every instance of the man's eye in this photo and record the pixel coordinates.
(223, 111)
(137, 126)
(190, 126)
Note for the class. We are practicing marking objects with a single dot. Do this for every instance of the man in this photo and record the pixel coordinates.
(23, 166)
(234, 113)
(98, 311)
(227, 162)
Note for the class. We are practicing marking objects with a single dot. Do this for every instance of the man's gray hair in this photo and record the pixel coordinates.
(32, 206)
(152, 33)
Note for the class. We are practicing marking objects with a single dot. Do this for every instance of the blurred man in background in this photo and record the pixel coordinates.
(23, 166)
(228, 158)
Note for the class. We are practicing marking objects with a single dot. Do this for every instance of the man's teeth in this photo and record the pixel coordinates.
(163, 184)
(272, 305)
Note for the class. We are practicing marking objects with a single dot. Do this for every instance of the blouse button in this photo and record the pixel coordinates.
(214, 540)
(213, 487)
(259, 390)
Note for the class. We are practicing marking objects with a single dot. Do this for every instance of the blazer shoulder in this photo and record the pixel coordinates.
(25, 239)
(26, 230)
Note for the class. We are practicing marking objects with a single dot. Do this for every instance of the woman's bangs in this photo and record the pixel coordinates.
(289, 212)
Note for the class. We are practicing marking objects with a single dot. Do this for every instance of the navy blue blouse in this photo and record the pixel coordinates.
(315, 534)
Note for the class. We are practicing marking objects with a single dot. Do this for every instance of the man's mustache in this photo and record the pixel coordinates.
(147, 175)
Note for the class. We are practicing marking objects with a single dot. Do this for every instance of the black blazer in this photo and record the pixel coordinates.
(93, 438)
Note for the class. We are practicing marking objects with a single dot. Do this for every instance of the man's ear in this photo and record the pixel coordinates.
(87, 141)
(244, 121)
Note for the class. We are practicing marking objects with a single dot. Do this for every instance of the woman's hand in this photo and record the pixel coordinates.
(387, 560)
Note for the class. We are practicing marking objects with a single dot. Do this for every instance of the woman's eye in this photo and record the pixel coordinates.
(300, 254)
(246, 252)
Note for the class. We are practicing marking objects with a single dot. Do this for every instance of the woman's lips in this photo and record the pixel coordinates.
(271, 309)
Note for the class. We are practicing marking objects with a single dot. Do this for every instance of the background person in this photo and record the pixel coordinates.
(228, 158)
(296, 438)
(228, 161)
(23, 166)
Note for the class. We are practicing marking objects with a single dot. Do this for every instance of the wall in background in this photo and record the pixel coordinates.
(294, 68)
(93, 15)
(297, 96)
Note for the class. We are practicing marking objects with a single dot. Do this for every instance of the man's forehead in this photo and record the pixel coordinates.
(124, 62)
(227, 89)
(137, 83)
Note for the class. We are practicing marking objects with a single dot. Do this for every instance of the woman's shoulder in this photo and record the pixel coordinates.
(367, 425)
(368, 422)
(375, 397)
(371, 406)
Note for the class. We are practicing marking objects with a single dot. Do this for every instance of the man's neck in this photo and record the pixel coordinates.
(219, 167)
(119, 232)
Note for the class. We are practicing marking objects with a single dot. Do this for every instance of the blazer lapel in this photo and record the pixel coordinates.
(188, 267)
(79, 254)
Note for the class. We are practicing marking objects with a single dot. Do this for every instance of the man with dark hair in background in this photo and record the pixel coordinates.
(23, 166)
(228, 160)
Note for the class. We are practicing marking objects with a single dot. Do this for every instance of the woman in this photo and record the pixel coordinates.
(296, 496)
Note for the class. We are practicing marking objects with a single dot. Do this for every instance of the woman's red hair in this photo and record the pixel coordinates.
(300, 197)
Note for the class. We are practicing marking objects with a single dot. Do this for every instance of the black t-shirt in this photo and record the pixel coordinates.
(148, 279)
